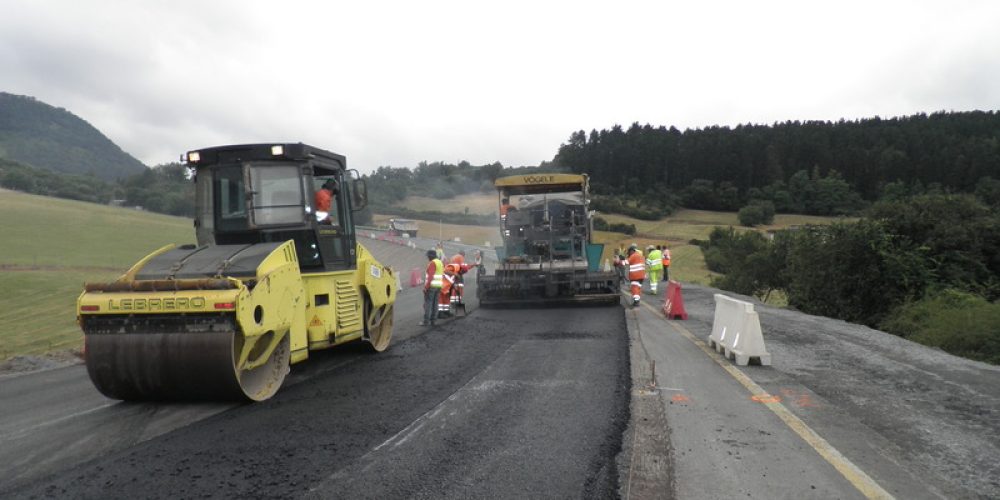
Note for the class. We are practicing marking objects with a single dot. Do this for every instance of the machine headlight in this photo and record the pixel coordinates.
(194, 157)
(277, 150)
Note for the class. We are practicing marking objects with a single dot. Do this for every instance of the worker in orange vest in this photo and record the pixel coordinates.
(504, 208)
(666, 263)
(444, 300)
(460, 268)
(636, 272)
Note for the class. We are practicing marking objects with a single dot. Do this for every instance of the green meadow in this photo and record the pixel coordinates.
(49, 247)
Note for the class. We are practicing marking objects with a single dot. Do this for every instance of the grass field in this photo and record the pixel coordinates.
(50, 247)
(473, 235)
(478, 203)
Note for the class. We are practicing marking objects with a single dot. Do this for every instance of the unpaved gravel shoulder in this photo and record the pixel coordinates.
(938, 411)
(23, 365)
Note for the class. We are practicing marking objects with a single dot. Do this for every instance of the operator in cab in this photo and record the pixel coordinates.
(324, 201)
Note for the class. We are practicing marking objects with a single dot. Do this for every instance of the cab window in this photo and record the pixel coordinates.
(230, 196)
(277, 195)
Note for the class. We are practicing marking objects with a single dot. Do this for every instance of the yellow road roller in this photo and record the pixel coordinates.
(277, 272)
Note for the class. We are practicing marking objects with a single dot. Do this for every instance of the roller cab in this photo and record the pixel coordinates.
(276, 272)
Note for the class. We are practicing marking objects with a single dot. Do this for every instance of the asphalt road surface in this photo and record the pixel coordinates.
(538, 403)
(498, 404)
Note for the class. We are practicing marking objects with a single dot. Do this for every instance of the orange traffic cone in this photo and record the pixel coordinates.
(673, 304)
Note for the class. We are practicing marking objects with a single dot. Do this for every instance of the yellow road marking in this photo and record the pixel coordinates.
(857, 477)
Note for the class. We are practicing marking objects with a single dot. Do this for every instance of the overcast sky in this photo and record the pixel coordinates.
(394, 83)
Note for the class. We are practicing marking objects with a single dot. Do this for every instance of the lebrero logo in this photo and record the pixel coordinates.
(156, 304)
(538, 179)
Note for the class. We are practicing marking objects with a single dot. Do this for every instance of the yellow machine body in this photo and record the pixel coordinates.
(277, 272)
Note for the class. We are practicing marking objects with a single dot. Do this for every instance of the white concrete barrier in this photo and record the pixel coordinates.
(736, 331)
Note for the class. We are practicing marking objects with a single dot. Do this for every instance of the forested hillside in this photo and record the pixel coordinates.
(723, 168)
(164, 188)
(40, 135)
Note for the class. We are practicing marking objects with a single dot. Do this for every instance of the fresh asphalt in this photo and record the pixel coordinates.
(505, 404)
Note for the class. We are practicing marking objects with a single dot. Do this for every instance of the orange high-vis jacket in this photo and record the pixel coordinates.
(323, 200)
(636, 267)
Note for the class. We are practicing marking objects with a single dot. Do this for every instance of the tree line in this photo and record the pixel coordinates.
(164, 188)
(812, 167)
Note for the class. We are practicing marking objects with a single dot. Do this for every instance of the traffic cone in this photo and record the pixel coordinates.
(673, 303)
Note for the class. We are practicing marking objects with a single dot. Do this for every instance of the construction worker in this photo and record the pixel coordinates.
(461, 268)
(666, 263)
(447, 289)
(620, 256)
(504, 207)
(480, 269)
(324, 200)
(654, 263)
(432, 287)
(636, 266)
(440, 250)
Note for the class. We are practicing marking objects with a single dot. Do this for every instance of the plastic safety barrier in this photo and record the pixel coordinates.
(736, 331)
(673, 302)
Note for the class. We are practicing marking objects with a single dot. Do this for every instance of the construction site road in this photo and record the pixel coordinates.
(538, 403)
(531, 404)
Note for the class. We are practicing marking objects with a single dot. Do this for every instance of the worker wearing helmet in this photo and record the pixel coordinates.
(636, 272)
(654, 264)
(458, 260)
(433, 282)
(447, 290)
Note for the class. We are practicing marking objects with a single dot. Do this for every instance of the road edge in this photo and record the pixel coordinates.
(646, 460)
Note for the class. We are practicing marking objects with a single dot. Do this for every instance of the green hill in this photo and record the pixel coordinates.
(40, 135)
(50, 247)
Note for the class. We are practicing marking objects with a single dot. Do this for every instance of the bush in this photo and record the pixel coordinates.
(757, 213)
(751, 264)
(618, 227)
(853, 271)
(19, 181)
(728, 250)
(621, 227)
(957, 322)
